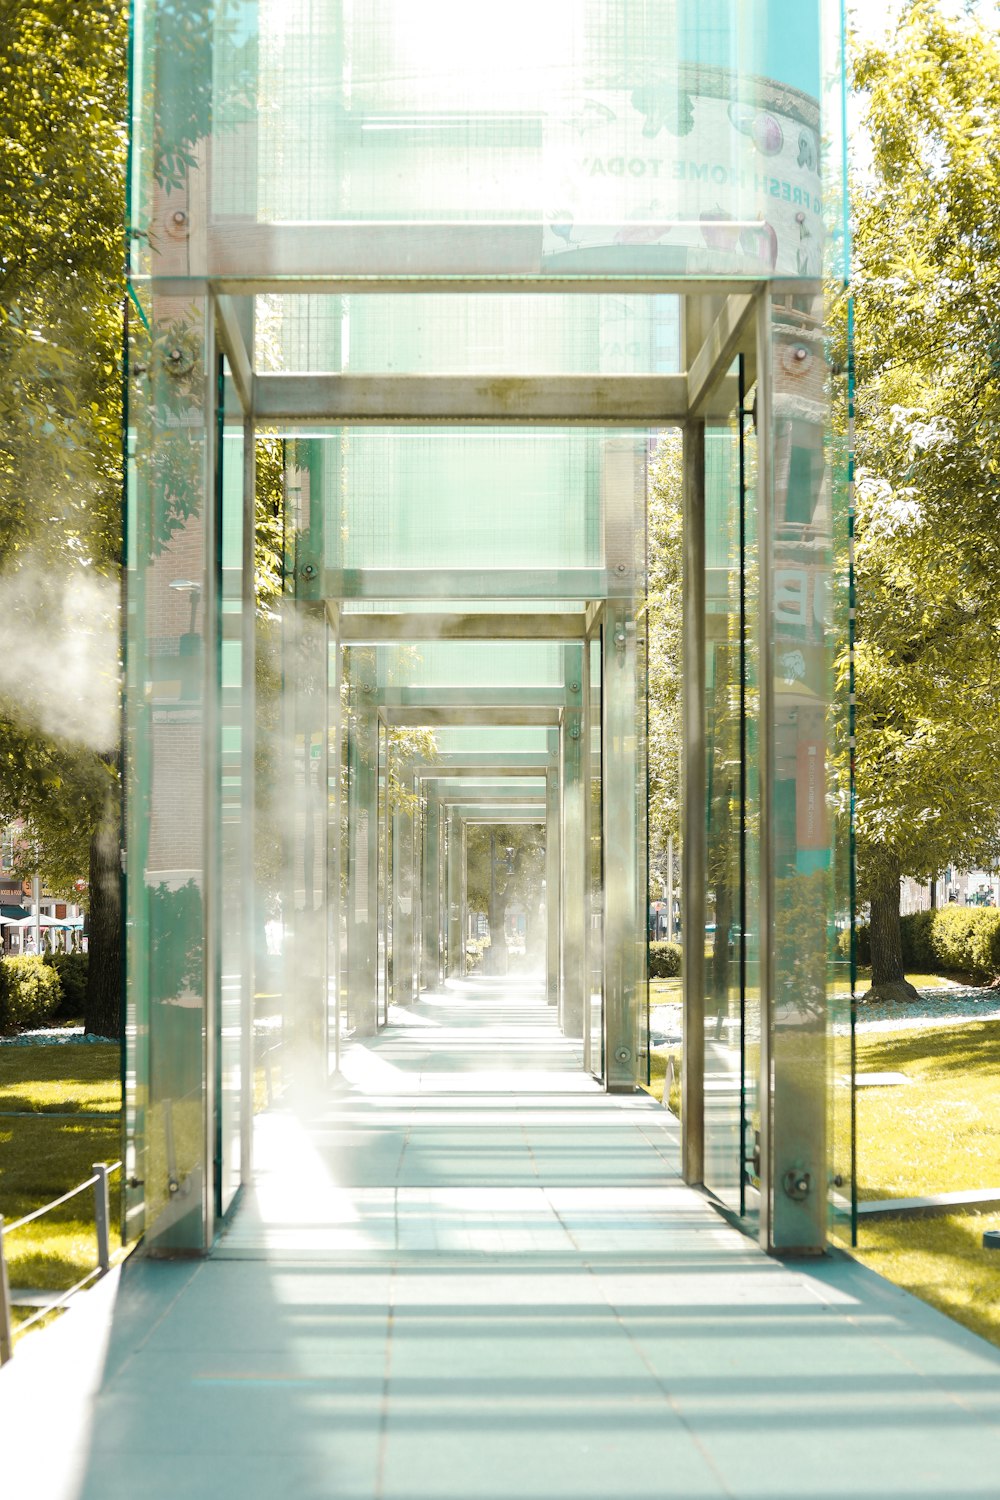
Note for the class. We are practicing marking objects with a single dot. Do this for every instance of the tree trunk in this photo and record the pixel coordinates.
(102, 1012)
(888, 980)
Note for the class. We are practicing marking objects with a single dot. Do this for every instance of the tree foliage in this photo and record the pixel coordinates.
(62, 157)
(926, 279)
(664, 613)
(506, 864)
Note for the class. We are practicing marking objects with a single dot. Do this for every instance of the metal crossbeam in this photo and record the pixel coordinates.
(513, 584)
(231, 320)
(345, 258)
(364, 629)
(441, 718)
(448, 772)
(590, 400)
(506, 696)
(732, 327)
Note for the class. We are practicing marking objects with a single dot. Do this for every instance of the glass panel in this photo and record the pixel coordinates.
(681, 138)
(358, 149)
(725, 859)
(363, 840)
(460, 335)
(172, 676)
(235, 973)
(595, 859)
(802, 832)
(749, 920)
(383, 882)
(842, 984)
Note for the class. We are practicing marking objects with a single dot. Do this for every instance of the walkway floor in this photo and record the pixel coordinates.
(471, 1274)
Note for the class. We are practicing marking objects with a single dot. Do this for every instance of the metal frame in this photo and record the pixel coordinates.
(722, 319)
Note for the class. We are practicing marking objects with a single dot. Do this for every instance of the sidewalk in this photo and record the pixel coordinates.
(438, 1290)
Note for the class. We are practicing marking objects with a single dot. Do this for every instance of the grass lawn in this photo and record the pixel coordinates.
(939, 1134)
(43, 1154)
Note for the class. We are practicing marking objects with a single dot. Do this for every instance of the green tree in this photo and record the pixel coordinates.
(926, 279)
(664, 610)
(506, 863)
(62, 155)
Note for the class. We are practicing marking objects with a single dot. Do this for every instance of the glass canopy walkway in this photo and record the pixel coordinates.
(417, 293)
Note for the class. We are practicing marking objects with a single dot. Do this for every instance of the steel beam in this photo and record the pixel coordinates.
(456, 936)
(401, 626)
(362, 257)
(582, 400)
(437, 718)
(573, 849)
(502, 695)
(731, 329)
(515, 585)
(446, 770)
(233, 315)
(473, 817)
(552, 873)
(430, 949)
(624, 906)
(693, 870)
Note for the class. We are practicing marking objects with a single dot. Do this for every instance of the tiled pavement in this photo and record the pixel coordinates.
(470, 1274)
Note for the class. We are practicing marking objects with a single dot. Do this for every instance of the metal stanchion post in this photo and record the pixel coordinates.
(102, 1217)
(6, 1337)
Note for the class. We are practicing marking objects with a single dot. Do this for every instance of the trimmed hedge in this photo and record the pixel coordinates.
(72, 971)
(963, 939)
(664, 960)
(30, 992)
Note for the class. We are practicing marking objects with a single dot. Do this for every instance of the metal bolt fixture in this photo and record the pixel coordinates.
(308, 571)
(801, 354)
(623, 1055)
(574, 687)
(574, 732)
(179, 217)
(796, 1184)
(621, 567)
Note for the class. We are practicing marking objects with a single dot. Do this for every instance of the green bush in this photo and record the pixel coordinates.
(962, 939)
(72, 971)
(664, 960)
(30, 993)
(967, 938)
(918, 929)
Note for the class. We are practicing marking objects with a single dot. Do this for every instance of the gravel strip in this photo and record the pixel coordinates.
(50, 1038)
(951, 1006)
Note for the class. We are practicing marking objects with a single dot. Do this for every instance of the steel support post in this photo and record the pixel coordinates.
(693, 807)
(793, 1062)
(6, 1322)
(463, 885)
(102, 1217)
(456, 944)
(553, 872)
(305, 963)
(402, 900)
(430, 899)
(573, 850)
(623, 921)
(252, 919)
(362, 836)
(417, 888)
(335, 926)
